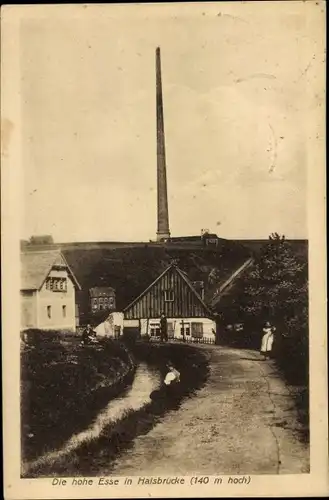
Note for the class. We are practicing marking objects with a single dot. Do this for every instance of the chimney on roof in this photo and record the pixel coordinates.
(163, 216)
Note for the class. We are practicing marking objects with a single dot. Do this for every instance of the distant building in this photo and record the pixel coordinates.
(44, 239)
(205, 239)
(48, 289)
(187, 315)
(209, 239)
(102, 299)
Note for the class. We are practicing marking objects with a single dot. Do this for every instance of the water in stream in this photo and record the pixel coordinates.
(134, 398)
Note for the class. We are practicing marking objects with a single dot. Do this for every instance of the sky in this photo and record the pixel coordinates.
(237, 94)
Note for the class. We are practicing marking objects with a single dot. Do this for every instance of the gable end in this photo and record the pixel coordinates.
(171, 293)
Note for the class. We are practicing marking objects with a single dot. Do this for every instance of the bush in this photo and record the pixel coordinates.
(64, 385)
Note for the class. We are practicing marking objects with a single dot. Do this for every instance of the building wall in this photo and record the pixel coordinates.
(184, 304)
(60, 318)
(82, 301)
(112, 327)
(28, 309)
(130, 323)
(175, 325)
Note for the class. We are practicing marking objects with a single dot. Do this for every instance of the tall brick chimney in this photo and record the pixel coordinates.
(163, 217)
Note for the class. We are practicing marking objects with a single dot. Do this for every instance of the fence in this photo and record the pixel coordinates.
(195, 340)
(187, 340)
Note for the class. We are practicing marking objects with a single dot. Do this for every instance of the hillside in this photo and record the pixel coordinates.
(252, 245)
(131, 269)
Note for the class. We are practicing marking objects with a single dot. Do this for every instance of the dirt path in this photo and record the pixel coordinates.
(243, 421)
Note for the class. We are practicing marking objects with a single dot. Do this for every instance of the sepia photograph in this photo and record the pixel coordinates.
(163, 219)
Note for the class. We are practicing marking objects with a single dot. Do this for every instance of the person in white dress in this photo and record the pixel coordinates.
(170, 382)
(173, 375)
(267, 340)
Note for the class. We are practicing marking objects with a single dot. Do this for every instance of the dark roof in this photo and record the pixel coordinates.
(101, 291)
(227, 285)
(210, 235)
(35, 267)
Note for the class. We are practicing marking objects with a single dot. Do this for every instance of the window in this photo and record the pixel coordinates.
(155, 329)
(169, 295)
(49, 312)
(105, 300)
(94, 304)
(56, 284)
(64, 311)
(101, 300)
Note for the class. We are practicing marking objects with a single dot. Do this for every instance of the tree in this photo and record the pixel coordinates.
(276, 289)
(276, 286)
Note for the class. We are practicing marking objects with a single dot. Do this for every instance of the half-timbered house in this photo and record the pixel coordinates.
(172, 293)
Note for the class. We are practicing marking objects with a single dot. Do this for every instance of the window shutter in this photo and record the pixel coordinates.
(197, 330)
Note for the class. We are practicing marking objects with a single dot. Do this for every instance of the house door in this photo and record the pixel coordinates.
(185, 330)
(170, 330)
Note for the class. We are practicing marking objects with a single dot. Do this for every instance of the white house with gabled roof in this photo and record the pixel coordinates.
(48, 288)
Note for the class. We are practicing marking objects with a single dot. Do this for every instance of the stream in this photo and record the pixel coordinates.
(135, 397)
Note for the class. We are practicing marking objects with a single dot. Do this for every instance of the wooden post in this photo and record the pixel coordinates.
(147, 326)
(183, 330)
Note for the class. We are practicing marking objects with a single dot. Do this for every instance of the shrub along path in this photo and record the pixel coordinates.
(243, 421)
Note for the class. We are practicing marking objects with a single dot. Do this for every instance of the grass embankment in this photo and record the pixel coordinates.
(64, 385)
(95, 455)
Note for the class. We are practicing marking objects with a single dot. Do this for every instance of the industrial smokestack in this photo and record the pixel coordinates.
(163, 217)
